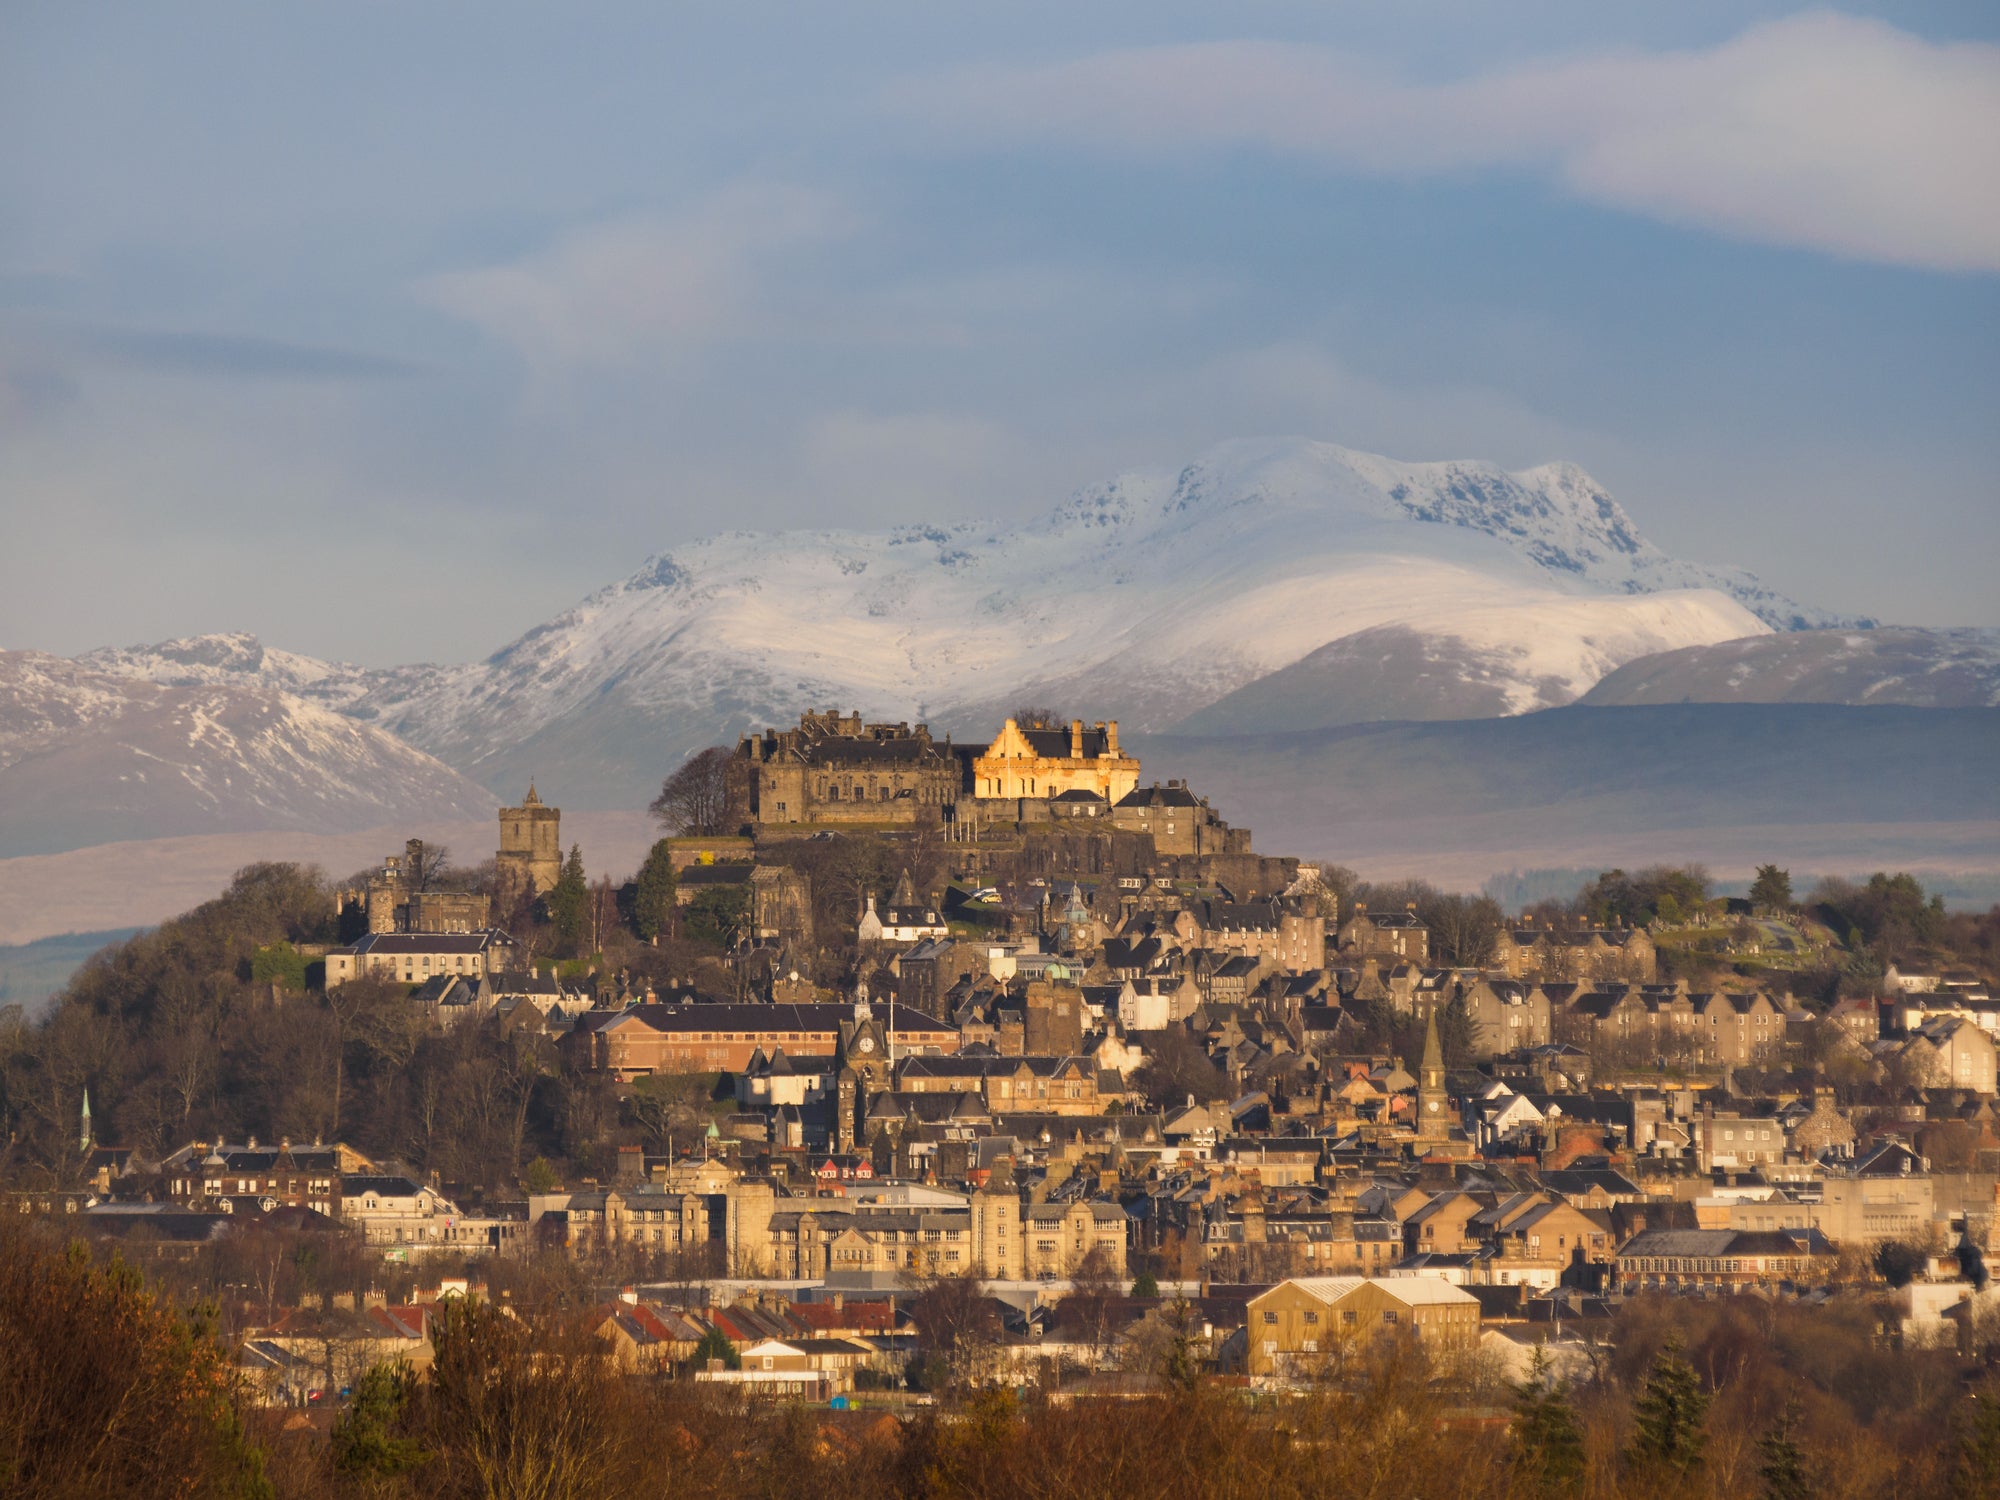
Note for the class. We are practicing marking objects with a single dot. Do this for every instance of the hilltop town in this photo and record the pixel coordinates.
(884, 1012)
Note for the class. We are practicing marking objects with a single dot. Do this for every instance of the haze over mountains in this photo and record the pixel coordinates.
(1269, 587)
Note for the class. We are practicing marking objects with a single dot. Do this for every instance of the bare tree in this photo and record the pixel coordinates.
(425, 866)
(695, 799)
(1029, 717)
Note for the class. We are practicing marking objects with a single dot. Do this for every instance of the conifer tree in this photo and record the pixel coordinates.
(568, 903)
(653, 898)
(1783, 1466)
(1547, 1440)
(1978, 1468)
(1669, 1412)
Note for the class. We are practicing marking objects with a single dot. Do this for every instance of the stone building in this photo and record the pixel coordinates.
(1296, 1327)
(414, 958)
(1589, 954)
(719, 1038)
(529, 861)
(1287, 935)
(781, 906)
(1040, 764)
(1178, 822)
(838, 770)
(395, 898)
(1398, 933)
(1506, 1015)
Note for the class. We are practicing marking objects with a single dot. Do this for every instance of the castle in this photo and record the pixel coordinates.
(1043, 763)
(833, 770)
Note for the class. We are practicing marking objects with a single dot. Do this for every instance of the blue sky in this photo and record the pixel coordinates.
(388, 331)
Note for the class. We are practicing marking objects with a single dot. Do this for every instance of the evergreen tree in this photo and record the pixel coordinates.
(1547, 1442)
(1978, 1468)
(1772, 889)
(1145, 1285)
(1456, 1033)
(653, 898)
(715, 1345)
(569, 903)
(365, 1440)
(1669, 1415)
(1784, 1467)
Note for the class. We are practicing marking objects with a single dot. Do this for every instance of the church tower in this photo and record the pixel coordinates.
(1433, 1107)
(529, 861)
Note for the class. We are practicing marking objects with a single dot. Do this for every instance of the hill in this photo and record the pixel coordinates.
(1826, 787)
(1919, 668)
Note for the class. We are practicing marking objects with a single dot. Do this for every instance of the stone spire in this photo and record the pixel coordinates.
(1433, 1116)
(83, 1142)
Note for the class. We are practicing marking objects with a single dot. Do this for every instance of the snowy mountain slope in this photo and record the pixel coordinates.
(1920, 668)
(1143, 597)
(88, 757)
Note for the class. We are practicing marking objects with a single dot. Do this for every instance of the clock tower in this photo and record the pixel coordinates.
(861, 1071)
(1433, 1107)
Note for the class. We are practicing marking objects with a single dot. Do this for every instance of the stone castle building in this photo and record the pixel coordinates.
(530, 858)
(394, 898)
(834, 769)
(1039, 764)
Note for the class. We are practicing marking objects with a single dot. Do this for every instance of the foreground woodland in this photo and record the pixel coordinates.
(108, 1386)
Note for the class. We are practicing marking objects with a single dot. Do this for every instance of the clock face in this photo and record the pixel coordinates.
(866, 1044)
(1432, 1106)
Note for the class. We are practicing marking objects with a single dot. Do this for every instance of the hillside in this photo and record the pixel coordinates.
(1731, 785)
(1918, 668)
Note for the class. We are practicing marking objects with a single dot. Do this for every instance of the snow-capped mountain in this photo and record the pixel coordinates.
(1148, 598)
(1145, 598)
(89, 756)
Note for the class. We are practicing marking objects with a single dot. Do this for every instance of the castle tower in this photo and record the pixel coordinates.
(1433, 1107)
(530, 856)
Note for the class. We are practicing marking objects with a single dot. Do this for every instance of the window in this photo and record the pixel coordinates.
(1388, 1315)
(1312, 1317)
(1270, 1317)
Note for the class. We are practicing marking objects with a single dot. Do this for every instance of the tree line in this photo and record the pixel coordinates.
(109, 1387)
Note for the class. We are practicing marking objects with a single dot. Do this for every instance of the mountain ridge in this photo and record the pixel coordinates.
(1148, 597)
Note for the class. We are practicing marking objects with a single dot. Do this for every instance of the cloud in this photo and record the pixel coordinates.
(236, 357)
(614, 293)
(904, 465)
(1820, 131)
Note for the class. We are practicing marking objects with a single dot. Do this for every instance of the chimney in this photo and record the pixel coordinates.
(1076, 739)
(1111, 738)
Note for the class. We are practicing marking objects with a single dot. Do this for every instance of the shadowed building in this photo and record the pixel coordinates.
(530, 859)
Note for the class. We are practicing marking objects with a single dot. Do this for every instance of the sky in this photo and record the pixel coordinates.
(388, 331)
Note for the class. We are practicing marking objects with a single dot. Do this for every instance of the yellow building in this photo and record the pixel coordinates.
(1039, 763)
(1299, 1326)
